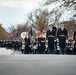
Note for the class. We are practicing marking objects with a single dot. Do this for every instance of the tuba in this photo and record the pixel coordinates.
(24, 35)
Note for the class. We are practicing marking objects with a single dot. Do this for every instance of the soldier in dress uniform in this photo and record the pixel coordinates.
(27, 44)
(38, 42)
(42, 44)
(10, 44)
(74, 38)
(20, 45)
(55, 40)
(62, 35)
(50, 35)
(0, 43)
(17, 45)
(14, 45)
(54, 30)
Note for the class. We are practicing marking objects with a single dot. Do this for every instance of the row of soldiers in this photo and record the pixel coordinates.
(54, 39)
(53, 42)
(11, 44)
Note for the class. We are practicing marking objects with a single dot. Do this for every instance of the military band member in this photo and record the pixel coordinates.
(55, 41)
(27, 44)
(50, 35)
(54, 29)
(42, 44)
(62, 34)
(74, 38)
(38, 42)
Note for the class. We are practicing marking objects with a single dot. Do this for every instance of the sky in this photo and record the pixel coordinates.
(15, 11)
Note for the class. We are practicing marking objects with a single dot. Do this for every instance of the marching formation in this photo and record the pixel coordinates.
(54, 41)
(9, 44)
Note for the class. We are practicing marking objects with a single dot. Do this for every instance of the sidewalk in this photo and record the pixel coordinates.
(8, 51)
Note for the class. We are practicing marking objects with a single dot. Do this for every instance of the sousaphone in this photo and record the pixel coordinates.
(24, 35)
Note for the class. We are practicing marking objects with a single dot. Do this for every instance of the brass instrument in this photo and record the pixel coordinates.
(24, 35)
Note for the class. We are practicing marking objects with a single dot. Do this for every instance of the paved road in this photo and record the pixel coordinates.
(37, 65)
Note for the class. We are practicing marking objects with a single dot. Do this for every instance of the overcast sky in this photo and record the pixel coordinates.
(14, 11)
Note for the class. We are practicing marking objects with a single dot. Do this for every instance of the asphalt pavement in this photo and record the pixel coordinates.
(35, 64)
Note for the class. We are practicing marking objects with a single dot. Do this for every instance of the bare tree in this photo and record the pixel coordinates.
(16, 30)
(64, 6)
(3, 33)
(66, 3)
(39, 19)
